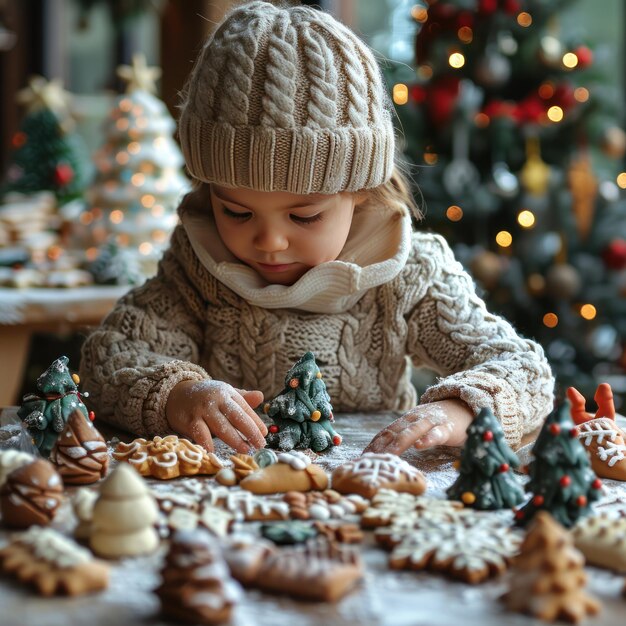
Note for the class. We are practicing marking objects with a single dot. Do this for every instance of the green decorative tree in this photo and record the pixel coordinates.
(514, 120)
(46, 412)
(48, 155)
(561, 478)
(139, 179)
(302, 413)
(486, 479)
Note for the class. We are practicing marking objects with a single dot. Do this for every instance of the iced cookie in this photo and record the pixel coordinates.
(31, 495)
(602, 540)
(83, 502)
(124, 516)
(371, 472)
(167, 457)
(80, 452)
(324, 505)
(53, 564)
(197, 586)
(293, 471)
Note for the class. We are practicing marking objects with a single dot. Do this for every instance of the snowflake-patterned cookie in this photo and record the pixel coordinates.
(602, 539)
(371, 472)
(470, 548)
(388, 505)
(324, 505)
(606, 447)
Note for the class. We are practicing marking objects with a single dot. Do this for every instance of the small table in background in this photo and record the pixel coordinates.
(24, 312)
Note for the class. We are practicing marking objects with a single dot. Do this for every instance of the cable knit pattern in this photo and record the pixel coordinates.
(185, 325)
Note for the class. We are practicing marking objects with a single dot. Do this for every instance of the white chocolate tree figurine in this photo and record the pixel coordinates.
(547, 577)
(139, 181)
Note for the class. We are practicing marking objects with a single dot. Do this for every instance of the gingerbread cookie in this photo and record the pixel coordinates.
(548, 579)
(339, 533)
(605, 444)
(10, 460)
(167, 457)
(371, 472)
(31, 495)
(175, 516)
(293, 471)
(602, 540)
(318, 570)
(323, 505)
(472, 547)
(197, 586)
(244, 505)
(53, 564)
(80, 452)
(123, 516)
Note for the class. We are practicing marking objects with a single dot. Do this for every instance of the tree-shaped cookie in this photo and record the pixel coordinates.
(139, 181)
(48, 153)
(547, 576)
(80, 452)
(197, 586)
(46, 412)
(561, 477)
(486, 479)
(301, 412)
(603, 439)
(124, 516)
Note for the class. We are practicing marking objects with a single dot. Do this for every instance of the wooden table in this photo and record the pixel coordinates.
(24, 312)
(385, 598)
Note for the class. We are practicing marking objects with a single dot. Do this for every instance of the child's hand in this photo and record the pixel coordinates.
(200, 409)
(425, 426)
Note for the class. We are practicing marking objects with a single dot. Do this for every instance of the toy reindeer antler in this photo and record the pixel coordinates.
(603, 398)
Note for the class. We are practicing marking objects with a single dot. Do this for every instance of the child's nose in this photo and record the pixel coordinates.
(270, 240)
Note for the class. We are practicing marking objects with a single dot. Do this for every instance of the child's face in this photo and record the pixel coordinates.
(282, 235)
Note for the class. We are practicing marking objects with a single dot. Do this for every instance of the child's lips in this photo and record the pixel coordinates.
(275, 267)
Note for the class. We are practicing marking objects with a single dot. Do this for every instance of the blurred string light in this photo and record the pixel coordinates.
(524, 19)
(400, 93)
(456, 60)
(621, 180)
(419, 13)
(555, 113)
(425, 72)
(546, 90)
(481, 120)
(465, 34)
(430, 157)
(550, 320)
(581, 94)
(570, 60)
(526, 219)
(504, 239)
(588, 311)
(454, 213)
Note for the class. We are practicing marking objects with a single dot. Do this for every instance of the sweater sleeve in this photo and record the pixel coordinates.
(145, 346)
(481, 358)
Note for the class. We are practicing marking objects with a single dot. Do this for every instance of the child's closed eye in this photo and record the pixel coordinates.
(310, 219)
(236, 215)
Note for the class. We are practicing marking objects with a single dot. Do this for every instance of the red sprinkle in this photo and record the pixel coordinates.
(488, 436)
(273, 428)
(581, 501)
(92, 416)
(565, 481)
(574, 432)
(555, 429)
(337, 440)
(504, 467)
(596, 484)
(538, 500)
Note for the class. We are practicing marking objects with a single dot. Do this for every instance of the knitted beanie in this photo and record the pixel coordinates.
(286, 99)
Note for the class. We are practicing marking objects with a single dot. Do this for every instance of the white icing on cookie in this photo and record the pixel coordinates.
(295, 459)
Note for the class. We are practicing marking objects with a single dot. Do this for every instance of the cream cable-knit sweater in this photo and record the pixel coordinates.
(185, 324)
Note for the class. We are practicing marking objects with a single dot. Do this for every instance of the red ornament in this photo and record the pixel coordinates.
(596, 484)
(565, 481)
(519, 514)
(511, 7)
(63, 174)
(294, 382)
(581, 501)
(488, 6)
(418, 94)
(488, 436)
(337, 440)
(465, 18)
(19, 139)
(273, 428)
(614, 255)
(92, 416)
(441, 99)
(585, 56)
(530, 111)
(563, 96)
(574, 432)
(538, 500)
(555, 429)
(499, 108)
(504, 468)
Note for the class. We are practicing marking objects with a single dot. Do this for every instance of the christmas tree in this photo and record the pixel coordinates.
(486, 479)
(48, 155)
(302, 413)
(515, 127)
(46, 412)
(561, 478)
(139, 181)
(548, 576)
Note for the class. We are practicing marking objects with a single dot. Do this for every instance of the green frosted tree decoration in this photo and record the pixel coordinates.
(48, 154)
(45, 413)
(561, 478)
(302, 413)
(486, 479)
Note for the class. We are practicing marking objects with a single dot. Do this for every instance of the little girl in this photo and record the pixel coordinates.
(298, 237)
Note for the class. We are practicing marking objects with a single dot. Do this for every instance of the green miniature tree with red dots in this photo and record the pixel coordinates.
(561, 479)
(486, 479)
(301, 412)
